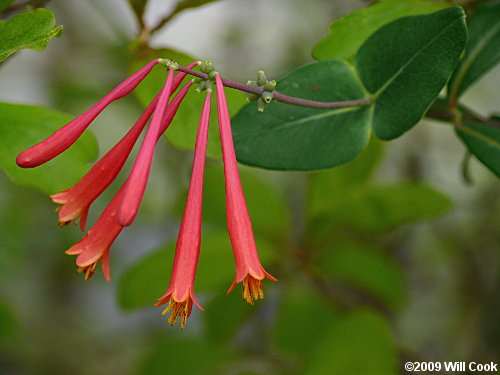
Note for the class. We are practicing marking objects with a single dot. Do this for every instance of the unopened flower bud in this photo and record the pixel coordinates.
(270, 86)
(209, 67)
(267, 96)
(252, 97)
(211, 75)
(261, 78)
(202, 86)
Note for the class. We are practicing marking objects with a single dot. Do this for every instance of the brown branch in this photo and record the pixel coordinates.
(282, 97)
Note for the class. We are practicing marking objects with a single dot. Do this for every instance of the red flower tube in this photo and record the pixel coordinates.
(180, 292)
(77, 200)
(98, 240)
(249, 271)
(69, 133)
(137, 181)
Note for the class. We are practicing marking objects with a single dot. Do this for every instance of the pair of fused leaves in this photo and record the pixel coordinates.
(402, 67)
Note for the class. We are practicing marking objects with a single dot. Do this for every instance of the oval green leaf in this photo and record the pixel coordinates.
(287, 137)
(31, 30)
(484, 142)
(182, 131)
(483, 48)
(406, 63)
(347, 33)
(21, 127)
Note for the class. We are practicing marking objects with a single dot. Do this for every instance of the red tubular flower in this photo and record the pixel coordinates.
(180, 292)
(248, 267)
(94, 247)
(136, 183)
(77, 200)
(68, 134)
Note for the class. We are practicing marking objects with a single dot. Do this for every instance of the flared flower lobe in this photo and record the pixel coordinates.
(249, 270)
(94, 247)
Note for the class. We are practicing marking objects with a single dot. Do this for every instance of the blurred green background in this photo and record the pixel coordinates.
(390, 258)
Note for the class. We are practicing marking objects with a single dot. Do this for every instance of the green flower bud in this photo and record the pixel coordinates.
(252, 97)
(209, 85)
(262, 104)
(270, 86)
(202, 66)
(267, 96)
(209, 67)
(261, 78)
(202, 86)
(211, 75)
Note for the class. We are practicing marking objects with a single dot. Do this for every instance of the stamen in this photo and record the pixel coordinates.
(252, 289)
(88, 270)
(178, 309)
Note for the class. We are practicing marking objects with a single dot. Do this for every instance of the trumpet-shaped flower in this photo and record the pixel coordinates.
(180, 292)
(137, 181)
(69, 133)
(98, 240)
(77, 200)
(249, 270)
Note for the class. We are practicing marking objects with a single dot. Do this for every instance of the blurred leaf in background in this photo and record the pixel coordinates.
(31, 30)
(23, 126)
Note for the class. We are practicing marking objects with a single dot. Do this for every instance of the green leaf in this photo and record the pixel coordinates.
(366, 267)
(484, 142)
(290, 137)
(4, 4)
(183, 356)
(483, 47)
(381, 208)
(182, 131)
(31, 30)
(406, 63)
(147, 280)
(23, 126)
(362, 343)
(327, 188)
(347, 33)
(303, 318)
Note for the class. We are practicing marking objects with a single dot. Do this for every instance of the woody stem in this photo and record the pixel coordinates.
(282, 97)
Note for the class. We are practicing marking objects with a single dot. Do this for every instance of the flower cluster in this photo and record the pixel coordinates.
(75, 202)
